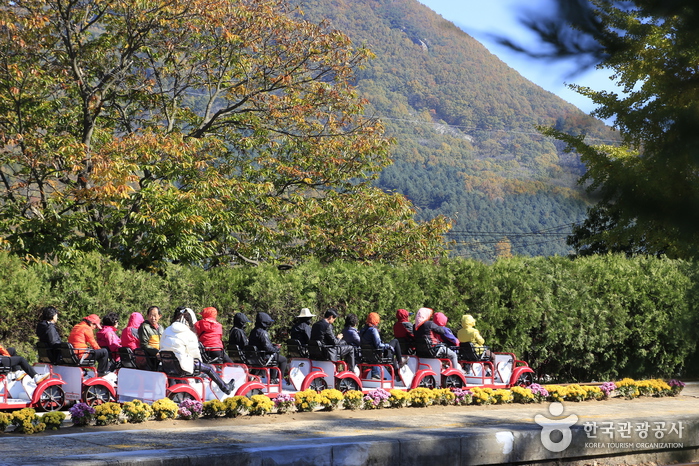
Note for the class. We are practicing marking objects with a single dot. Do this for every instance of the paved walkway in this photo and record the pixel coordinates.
(437, 435)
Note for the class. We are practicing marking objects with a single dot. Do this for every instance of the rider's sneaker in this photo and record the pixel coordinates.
(38, 378)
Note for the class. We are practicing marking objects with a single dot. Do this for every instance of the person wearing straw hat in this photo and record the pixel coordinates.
(301, 330)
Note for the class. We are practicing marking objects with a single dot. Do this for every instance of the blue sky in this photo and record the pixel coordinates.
(483, 18)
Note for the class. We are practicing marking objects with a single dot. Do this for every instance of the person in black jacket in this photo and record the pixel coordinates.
(48, 334)
(323, 331)
(301, 330)
(259, 338)
(237, 334)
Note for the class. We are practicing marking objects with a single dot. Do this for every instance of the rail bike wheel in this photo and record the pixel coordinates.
(453, 381)
(179, 397)
(53, 398)
(253, 392)
(427, 381)
(346, 384)
(96, 395)
(525, 379)
(318, 384)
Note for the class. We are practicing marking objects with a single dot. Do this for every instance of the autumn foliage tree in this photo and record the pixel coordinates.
(192, 131)
(647, 188)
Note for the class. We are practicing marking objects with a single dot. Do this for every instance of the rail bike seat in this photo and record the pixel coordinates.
(407, 347)
(171, 365)
(208, 355)
(424, 348)
(48, 355)
(127, 358)
(318, 351)
(143, 361)
(259, 358)
(468, 352)
(236, 354)
(80, 357)
(5, 365)
(371, 355)
(295, 349)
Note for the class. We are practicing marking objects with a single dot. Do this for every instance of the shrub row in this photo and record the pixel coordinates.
(593, 318)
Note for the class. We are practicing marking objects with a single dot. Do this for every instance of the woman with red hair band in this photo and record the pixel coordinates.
(210, 333)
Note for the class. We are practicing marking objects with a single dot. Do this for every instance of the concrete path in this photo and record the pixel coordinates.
(606, 432)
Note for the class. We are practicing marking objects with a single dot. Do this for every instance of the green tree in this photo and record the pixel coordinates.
(649, 184)
(192, 131)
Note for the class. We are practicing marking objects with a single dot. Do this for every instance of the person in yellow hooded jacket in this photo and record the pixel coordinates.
(469, 334)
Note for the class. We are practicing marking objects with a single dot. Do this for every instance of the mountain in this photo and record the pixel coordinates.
(465, 130)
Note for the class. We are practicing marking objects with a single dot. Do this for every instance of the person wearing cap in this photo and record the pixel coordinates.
(82, 337)
(180, 338)
(237, 334)
(259, 338)
(469, 334)
(369, 335)
(210, 334)
(301, 329)
(150, 331)
(337, 348)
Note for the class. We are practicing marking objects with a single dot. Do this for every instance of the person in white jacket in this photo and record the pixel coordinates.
(180, 338)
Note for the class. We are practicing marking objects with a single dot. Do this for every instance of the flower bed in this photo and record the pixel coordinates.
(27, 422)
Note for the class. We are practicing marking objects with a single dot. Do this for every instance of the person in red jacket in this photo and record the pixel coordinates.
(403, 328)
(210, 334)
(83, 337)
(129, 336)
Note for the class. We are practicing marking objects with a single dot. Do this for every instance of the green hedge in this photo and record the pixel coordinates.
(595, 318)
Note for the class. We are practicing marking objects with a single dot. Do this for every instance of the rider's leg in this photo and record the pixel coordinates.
(213, 375)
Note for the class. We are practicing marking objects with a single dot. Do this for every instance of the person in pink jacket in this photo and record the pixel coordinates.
(129, 336)
(107, 336)
(210, 334)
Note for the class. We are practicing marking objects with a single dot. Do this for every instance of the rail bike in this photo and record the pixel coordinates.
(377, 371)
(139, 380)
(504, 371)
(79, 372)
(18, 390)
(310, 367)
(255, 372)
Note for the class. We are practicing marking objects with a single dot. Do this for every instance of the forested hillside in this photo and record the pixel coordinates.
(464, 124)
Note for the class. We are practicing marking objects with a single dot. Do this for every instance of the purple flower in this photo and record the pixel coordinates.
(607, 388)
(81, 410)
(676, 383)
(193, 407)
(538, 390)
(284, 398)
